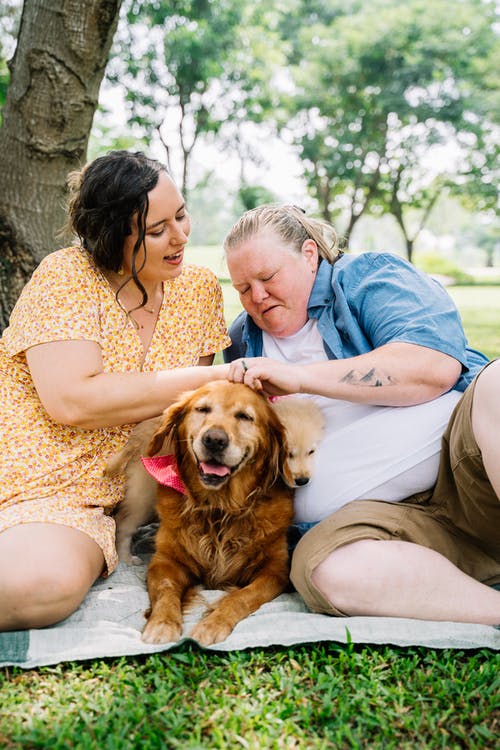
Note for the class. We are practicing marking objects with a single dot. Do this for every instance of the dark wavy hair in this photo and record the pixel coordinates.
(103, 197)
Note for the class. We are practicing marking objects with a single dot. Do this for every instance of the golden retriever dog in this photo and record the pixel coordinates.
(303, 422)
(304, 426)
(228, 528)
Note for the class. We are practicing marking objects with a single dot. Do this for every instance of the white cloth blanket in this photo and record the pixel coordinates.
(110, 620)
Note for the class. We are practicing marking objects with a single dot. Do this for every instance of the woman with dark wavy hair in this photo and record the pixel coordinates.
(105, 334)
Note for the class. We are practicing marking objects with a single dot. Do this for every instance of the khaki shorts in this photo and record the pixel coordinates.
(459, 518)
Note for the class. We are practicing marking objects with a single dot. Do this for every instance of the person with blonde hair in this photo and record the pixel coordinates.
(402, 517)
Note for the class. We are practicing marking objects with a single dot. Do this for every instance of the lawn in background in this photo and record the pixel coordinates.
(313, 697)
(480, 310)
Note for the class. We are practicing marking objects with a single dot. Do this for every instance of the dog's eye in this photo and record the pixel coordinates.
(291, 454)
(313, 450)
(244, 416)
(203, 409)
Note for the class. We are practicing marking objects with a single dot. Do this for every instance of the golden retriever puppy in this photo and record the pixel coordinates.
(304, 425)
(138, 504)
(227, 529)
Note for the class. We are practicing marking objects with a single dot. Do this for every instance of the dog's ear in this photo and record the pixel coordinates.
(277, 448)
(285, 470)
(167, 431)
(157, 439)
(117, 463)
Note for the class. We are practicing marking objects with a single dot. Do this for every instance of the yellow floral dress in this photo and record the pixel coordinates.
(51, 472)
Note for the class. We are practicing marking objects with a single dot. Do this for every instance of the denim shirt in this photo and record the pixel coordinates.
(362, 302)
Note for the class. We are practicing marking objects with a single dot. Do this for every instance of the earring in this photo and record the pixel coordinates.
(120, 271)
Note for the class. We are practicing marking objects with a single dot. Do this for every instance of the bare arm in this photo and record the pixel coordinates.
(396, 374)
(74, 389)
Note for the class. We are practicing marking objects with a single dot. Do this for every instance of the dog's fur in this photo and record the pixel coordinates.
(138, 504)
(229, 530)
(304, 425)
(303, 422)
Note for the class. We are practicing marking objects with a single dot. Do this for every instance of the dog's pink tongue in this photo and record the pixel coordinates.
(217, 469)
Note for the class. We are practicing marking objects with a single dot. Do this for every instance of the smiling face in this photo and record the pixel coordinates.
(167, 232)
(274, 281)
(225, 425)
(225, 435)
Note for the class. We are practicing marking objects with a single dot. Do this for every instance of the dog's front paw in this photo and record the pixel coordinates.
(161, 631)
(124, 551)
(130, 559)
(211, 630)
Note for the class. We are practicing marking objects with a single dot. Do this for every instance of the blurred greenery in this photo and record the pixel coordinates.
(380, 87)
(479, 308)
(437, 265)
(9, 22)
(390, 109)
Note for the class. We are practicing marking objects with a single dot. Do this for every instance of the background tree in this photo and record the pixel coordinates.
(194, 70)
(56, 72)
(176, 84)
(9, 21)
(252, 196)
(379, 86)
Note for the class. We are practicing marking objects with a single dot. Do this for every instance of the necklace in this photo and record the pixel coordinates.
(150, 310)
(117, 287)
(130, 313)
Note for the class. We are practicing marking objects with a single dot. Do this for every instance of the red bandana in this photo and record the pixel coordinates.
(164, 470)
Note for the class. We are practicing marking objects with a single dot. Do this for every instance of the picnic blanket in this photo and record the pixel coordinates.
(110, 620)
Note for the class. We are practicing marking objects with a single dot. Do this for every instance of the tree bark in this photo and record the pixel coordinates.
(56, 73)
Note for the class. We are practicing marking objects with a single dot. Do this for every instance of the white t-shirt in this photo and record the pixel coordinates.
(370, 452)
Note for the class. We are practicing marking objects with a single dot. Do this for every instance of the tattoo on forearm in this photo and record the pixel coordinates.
(371, 378)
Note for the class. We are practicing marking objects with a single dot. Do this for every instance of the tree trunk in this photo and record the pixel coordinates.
(490, 257)
(409, 248)
(353, 220)
(56, 72)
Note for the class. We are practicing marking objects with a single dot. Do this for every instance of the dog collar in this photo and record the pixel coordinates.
(164, 470)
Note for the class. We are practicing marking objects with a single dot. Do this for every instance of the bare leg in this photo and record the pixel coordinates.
(401, 579)
(486, 421)
(45, 572)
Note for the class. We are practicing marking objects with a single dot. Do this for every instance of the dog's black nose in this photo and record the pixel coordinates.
(301, 481)
(215, 440)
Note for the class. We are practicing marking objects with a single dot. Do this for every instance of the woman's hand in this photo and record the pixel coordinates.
(267, 375)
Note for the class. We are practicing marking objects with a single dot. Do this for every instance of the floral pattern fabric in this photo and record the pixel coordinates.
(51, 472)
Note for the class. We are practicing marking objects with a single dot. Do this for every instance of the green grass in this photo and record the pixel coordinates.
(480, 310)
(315, 696)
(321, 696)
(211, 256)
